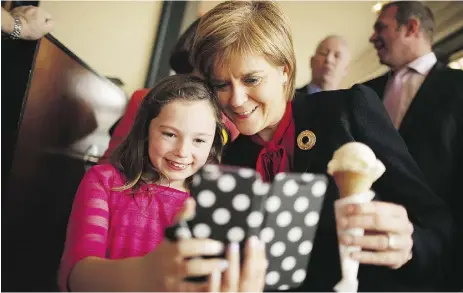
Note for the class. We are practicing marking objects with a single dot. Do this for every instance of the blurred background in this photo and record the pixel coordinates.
(129, 31)
(62, 94)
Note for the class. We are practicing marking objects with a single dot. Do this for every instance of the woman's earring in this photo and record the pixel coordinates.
(285, 79)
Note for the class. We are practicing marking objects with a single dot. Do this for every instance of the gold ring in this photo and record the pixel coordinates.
(306, 140)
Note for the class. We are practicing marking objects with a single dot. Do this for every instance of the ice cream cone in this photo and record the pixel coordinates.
(354, 168)
(350, 183)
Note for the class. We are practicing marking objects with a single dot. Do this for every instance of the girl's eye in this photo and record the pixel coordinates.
(198, 140)
(168, 134)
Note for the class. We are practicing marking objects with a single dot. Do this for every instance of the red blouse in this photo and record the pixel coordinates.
(277, 155)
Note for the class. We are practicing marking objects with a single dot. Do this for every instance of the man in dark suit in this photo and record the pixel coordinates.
(424, 99)
(329, 65)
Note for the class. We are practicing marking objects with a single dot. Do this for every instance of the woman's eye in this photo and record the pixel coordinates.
(198, 140)
(252, 80)
(219, 86)
(168, 134)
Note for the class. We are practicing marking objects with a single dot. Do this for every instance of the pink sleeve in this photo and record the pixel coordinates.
(88, 223)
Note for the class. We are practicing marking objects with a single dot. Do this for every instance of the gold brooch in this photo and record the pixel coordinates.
(306, 140)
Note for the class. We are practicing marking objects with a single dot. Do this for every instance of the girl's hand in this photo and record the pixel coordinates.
(166, 267)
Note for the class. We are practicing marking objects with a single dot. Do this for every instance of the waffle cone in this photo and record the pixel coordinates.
(349, 182)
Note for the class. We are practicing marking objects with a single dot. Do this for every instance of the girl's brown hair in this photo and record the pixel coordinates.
(131, 156)
(235, 28)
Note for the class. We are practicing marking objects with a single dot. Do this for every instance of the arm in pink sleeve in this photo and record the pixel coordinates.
(88, 224)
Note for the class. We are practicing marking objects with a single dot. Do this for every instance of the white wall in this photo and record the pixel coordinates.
(311, 21)
(115, 38)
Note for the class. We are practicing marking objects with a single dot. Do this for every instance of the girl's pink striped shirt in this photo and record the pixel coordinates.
(116, 224)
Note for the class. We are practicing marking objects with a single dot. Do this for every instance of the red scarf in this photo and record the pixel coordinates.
(277, 154)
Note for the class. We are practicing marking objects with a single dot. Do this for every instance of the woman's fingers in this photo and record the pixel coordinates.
(250, 277)
(376, 222)
(182, 286)
(388, 233)
(254, 266)
(203, 267)
(231, 277)
(378, 241)
(375, 216)
(390, 258)
(198, 247)
(376, 207)
(215, 282)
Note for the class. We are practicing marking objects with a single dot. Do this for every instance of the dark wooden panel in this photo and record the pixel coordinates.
(15, 79)
(67, 110)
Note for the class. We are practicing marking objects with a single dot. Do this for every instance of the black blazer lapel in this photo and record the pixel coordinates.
(379, 84)
(302, 114)
(424, 100)
(303, 90)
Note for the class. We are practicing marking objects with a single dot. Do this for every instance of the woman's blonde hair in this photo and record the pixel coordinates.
(235, 28)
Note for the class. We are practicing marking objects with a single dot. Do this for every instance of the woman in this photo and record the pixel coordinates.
(245, 50)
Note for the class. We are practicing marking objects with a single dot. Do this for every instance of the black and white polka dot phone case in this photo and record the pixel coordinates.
(224, 201)
(233, 204)
(291, 216)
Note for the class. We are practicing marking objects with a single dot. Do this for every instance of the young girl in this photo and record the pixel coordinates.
(116, 228)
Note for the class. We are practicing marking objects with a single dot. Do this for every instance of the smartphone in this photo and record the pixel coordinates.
(233, 203)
